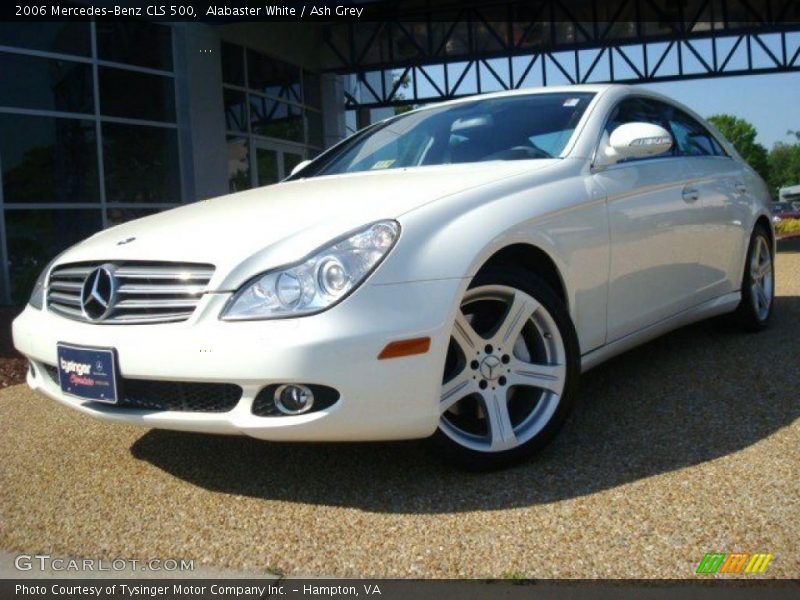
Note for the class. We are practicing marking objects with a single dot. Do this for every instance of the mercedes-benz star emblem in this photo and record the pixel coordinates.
(489, 368)
(99, 293)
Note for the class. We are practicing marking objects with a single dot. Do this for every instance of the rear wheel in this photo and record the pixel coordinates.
(758, 283)
(510, 372)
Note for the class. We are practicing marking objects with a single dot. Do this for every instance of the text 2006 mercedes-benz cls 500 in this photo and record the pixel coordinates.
(444, 274)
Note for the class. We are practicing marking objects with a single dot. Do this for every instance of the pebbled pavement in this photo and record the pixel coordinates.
(688, 445)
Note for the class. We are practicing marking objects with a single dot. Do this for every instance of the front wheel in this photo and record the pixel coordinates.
(510, 372)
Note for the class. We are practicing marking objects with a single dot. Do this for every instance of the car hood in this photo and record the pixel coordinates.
(286, 220)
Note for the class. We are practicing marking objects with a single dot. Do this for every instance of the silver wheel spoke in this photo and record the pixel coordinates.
(545, 377)
(520, 310)
(762, 296)
(501, 431)
(465, 336)
(458, 387)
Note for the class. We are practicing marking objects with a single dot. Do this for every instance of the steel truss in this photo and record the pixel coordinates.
(446, 52)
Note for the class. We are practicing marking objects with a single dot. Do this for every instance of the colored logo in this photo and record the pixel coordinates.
(735, 562)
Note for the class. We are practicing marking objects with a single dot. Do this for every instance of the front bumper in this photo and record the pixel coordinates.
(379, 400)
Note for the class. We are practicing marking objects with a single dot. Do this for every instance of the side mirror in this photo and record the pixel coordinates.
(634, 140)
(300, 166)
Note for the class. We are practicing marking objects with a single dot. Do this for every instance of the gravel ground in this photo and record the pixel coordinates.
(684, 446)
(12, 365)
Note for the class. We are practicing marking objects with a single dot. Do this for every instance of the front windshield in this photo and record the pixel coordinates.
(506, 128)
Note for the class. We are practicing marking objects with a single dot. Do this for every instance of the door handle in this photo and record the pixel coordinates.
(740, 188)
(690, 194)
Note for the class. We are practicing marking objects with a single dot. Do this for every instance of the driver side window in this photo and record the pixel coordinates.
(691, 138)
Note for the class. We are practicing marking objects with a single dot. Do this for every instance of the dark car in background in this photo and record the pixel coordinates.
(785, 210)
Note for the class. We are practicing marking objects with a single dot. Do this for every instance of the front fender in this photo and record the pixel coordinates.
(562, 214)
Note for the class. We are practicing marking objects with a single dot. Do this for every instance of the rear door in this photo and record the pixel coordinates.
(653, 214)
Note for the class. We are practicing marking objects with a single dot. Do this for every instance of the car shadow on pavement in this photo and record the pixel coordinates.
(695, 395)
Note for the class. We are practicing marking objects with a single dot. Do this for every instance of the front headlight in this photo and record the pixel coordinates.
(318, 282)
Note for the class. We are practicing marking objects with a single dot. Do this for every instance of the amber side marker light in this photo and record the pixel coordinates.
(405, 348)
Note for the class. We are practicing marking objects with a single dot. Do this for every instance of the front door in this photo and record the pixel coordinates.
(274, 161)
(653, 211)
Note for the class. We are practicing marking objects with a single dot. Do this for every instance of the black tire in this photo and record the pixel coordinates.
(454, 453)
(750, 316)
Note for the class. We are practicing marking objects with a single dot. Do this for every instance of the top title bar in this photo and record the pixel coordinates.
(740, 12)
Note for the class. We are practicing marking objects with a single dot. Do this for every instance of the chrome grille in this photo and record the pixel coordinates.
(146, 292)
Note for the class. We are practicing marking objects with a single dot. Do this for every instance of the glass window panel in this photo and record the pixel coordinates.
(276, 119)
(141, 164)
(273, 77)
(232, 64)
(136, 95)
(65, 38)
(118, 216)
(235, 110)
(238, 164)
(48, 160)
(47, 84)
(36, 236)
(691, 138)
(137, 43)
(267, 165)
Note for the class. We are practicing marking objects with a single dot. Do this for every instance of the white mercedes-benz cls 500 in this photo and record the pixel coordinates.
(444, 274)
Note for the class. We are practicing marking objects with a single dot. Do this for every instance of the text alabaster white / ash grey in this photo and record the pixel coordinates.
(279, 10)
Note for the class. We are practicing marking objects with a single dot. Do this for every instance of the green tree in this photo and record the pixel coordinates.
(404, 82)
(742, 135)
(784, 164)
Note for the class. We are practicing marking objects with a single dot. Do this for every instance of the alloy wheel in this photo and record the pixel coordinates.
(505, 370)
(761, 278)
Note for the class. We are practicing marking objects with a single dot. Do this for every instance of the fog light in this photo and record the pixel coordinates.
(294, 399)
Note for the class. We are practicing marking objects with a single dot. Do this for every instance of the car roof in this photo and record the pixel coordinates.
(560, 89)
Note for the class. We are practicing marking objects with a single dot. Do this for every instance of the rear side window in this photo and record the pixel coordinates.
(691, 138)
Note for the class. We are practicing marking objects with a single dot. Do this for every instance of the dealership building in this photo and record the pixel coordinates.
(105, 122)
